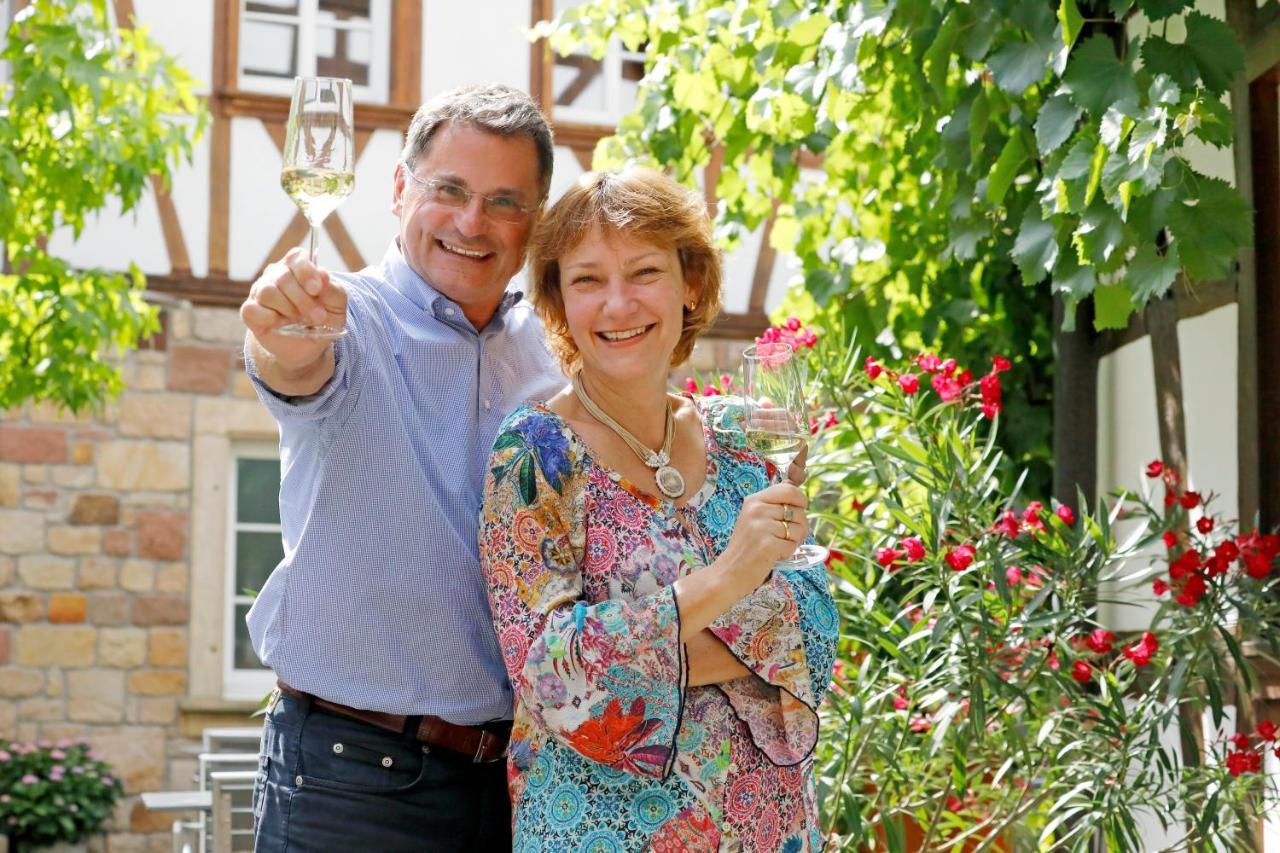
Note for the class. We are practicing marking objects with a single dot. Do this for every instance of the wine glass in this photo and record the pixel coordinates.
(319, 164)
(775, 419)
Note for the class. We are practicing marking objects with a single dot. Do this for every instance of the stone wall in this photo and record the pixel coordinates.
(95, 566)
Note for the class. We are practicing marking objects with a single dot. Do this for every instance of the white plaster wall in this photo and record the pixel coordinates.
(478, 41)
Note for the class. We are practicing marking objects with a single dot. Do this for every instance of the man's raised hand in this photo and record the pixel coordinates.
(293, 290)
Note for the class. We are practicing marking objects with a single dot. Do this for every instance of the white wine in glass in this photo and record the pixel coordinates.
(776, 422)
(319, 164)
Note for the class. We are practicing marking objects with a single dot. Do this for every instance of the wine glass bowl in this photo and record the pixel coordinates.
(775, 418)
(318, 171)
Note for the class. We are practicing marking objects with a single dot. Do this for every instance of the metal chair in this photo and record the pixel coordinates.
(232, 818)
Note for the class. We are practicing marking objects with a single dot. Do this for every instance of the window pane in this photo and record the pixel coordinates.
(344, 10)
(278, 7)
(243, 656)
(258, 491)
(343, 53)
(256, 555)
(269, 50)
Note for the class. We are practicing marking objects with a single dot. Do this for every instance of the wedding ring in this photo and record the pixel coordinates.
(786, 531)
(787, 514)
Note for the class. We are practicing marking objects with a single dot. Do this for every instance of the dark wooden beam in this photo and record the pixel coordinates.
(1264, 109)
(406, 54)
(1190, 300)
(1075, 406)
(541, 58)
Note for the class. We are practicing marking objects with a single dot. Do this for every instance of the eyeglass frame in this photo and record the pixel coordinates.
(468, 194)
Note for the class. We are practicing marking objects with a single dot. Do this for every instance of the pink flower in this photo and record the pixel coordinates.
(30, 779)
(929, 363)
(921, 725)
(1068, 517)
(1141, 652)
(57, 755)
(872, 368)
(4, 756)
(909, 383)
(1013, 575)
(1008, 524)
(793, 324)
(691, 385)
(947, 387)
(900, 701)
(711, 391)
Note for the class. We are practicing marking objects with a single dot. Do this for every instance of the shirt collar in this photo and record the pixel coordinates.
(410, 285)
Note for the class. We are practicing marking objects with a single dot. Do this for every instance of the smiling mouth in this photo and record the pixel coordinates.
(625, 334)
(463, 253)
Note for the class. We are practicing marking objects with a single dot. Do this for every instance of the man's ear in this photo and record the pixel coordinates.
(398, 187)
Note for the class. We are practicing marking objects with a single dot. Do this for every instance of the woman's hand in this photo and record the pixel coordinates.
(770, 527)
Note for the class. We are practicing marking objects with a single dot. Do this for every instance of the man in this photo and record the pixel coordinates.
(389, 726)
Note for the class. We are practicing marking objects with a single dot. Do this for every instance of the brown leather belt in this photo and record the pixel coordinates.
(480, 745)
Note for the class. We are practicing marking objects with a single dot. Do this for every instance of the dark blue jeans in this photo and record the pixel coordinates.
(328, 782)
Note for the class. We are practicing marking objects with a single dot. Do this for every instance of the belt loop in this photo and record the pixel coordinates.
(411, 724)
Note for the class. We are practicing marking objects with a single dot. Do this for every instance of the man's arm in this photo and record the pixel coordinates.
(292, 291)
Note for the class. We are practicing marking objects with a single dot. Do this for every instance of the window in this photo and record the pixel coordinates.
(254, 548)
(283, 39)
(6, 13)
(593, 91)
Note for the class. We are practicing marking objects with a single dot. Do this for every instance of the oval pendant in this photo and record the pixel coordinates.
(670, 482)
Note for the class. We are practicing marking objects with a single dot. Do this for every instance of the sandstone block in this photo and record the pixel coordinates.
(117, 543)
(33, 444)
(136, 753)
(110, 608)
(144, 466)
(234, 416)
(199, 369)
(47, 413)
(55, 645)
(10, 485)
(122, 647)
(148, 377)
(71, 476)
(95, 696)
(64, 539)
(97, 572)
(17, 683)
(158, 711)
(21, 532)
(18, 607)
(42, 710)
(8, 570)
(143, 820)
(172, 577)
(242, 386)
(82, 453)
(35, 474)
(39, 571)
(156, 609)
(8, 720)
(155, 415)
(137, 576)
(67, 607)
(6, 647)
(167, 647)
(95, 509)
(162, 535)
(40, 499)
(156, 682)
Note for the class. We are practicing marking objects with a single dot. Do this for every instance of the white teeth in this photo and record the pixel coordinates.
(622, 336)
(458, 250)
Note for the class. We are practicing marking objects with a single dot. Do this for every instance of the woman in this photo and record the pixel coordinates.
(667, 679)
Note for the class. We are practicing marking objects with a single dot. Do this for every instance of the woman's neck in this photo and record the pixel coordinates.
(640, 407)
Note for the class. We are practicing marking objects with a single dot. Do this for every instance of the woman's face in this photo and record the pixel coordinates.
(624, 303)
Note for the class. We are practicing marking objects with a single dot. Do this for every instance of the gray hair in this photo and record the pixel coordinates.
(491, 107)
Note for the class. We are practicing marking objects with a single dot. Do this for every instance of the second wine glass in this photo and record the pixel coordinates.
(775, 418)
(319, 164)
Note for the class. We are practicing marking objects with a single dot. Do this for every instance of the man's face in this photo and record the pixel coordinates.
(462, 251)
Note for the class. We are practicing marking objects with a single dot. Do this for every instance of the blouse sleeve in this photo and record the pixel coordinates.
(605, 679)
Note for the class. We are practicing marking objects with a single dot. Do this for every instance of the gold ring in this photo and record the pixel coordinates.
(787, 514)
(786, 531)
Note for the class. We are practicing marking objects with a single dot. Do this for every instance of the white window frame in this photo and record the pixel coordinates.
(308, 21)
(611, 72)
(241, 683)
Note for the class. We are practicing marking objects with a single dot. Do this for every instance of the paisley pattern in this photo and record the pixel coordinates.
(611, 750)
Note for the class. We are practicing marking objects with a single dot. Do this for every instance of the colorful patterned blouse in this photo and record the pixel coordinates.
(611, 750)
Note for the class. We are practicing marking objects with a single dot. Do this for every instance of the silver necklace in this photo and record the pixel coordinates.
(670, 481)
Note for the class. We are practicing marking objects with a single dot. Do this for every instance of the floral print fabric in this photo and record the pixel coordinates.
(611, 750)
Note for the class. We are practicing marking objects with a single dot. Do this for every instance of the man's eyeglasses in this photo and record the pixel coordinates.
(503, 208)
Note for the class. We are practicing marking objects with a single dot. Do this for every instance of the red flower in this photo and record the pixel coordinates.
(1239, 763)
(1215, 566)
(873, 368)
(793, 324)
(614, 739)
(1013, 575)
(1159, 586)
(1170, 498)
(1170, 539)
(909, 383)
(856, 506)
(1100, 640)
(1267, 730)
(964, 377)
(1205, 524)
(886, 557)
(1228, 551)
(948, 388)
(1240, 740)
(833, 557)
(1008, 524)
(1192, 591)
(1190, 500)
(900, 702)
(913, 548)
(1186, 563)
(954, 803)
(948, 367)
(929, 362)
(1142, 651)
(960, 558)
(1155, 469)
(1068, 517)
(1081, 671)
(921, 725)
(990, 387)
(691, 385)
(1257, 565)
(808, 338)
(1000, 363)
(711, 391)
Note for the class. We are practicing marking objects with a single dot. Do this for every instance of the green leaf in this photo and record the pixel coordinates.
(1113, 305)
(1098, 235)
(1071, 19)
(1072, 279)
(1005, 169)
(1095, 76)
(1018, 65)
(1036, 248)
(528, 481)
(1217, 53)
(1056, 122)
(1151, 274)
(1161, 57)
(1157, 9)
(1210, 227)
(937, 59)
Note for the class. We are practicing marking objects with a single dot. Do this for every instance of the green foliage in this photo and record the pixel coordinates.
(959, 151)
(90, 112)
(54, 792)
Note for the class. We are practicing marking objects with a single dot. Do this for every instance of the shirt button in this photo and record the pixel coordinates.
(386, 761)
(337, 749)
(448, 312)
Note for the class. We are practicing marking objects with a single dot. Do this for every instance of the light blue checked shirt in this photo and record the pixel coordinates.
(379, 602)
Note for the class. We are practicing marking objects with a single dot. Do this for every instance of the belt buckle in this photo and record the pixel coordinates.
(273, 700)
(479, 758)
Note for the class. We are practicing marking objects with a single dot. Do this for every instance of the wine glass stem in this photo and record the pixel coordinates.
(311, 243)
